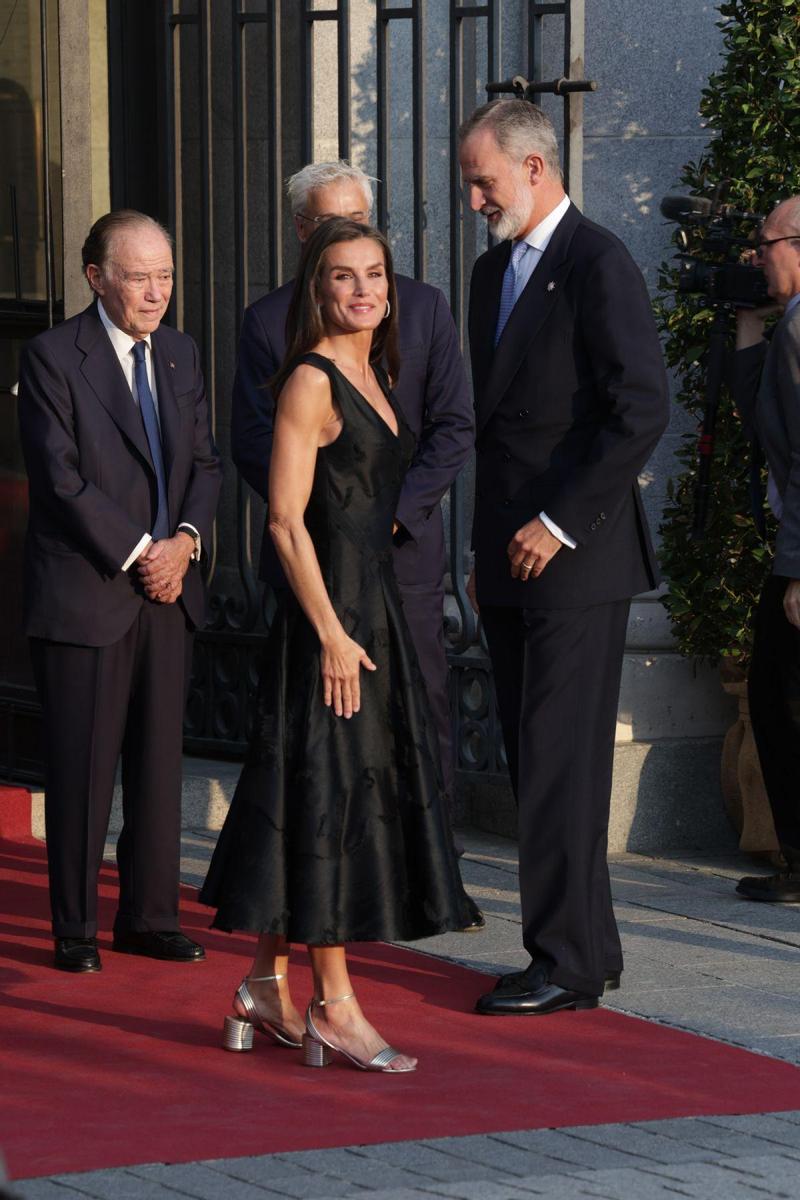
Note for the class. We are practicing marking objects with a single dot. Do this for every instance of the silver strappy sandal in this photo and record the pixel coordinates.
(317, 1049)
(237, 1031)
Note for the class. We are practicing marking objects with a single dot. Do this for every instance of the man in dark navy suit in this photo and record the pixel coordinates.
(124, 480)
(571, 398)
(432, 392)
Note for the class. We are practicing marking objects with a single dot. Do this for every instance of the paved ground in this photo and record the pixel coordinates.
(696, 956)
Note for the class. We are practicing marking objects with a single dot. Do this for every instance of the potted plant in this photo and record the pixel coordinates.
(750, 105)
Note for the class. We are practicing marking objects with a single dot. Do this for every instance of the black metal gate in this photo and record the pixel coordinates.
(256, 88)
(212, 104)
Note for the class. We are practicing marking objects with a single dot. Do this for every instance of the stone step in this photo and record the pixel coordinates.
(208, 786)
(666, 797)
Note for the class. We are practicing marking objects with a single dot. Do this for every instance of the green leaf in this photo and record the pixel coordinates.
(750, 109)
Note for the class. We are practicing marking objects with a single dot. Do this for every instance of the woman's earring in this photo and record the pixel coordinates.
(388, 310)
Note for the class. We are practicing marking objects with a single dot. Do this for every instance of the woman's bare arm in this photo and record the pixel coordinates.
(305, 420)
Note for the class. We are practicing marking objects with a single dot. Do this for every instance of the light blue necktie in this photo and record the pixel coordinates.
(508, 296)
(147, 408)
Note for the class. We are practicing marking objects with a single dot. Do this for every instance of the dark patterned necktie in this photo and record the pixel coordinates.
(147, 408)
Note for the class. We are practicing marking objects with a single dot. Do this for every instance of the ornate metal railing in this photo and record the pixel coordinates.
(235, 57)
(248, 90)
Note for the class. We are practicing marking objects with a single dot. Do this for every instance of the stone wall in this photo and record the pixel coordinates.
(650, 60)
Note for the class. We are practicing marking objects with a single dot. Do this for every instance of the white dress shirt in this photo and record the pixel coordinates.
(123, 343)
(539, 239)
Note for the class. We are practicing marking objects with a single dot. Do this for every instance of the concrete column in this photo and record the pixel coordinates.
(84, 134)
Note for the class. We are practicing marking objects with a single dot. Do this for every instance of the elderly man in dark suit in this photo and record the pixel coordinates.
(571, 398)
(768, 395)
(124, 480)
(432, 392)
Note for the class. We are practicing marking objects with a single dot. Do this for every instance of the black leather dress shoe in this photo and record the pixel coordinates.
(544, 999)
(173, 946)
(77, 954)
(612, 982)
(783, 888)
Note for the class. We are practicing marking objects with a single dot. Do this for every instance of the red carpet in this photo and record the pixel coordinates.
(125, 1067)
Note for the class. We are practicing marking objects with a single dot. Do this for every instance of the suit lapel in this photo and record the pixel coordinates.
(169, 419)
(528, 315)
(102, 371)
(486, 307)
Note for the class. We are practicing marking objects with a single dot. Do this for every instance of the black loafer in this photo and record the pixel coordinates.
(172, 946)
(783, 888)
(77, 954)
(546, 998)
(612, 982)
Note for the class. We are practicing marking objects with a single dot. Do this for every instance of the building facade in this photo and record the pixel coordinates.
(196, 111)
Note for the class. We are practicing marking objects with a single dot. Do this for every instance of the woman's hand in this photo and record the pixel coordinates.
(341, 663)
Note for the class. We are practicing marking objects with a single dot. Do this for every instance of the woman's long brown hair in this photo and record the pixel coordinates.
(304, 324)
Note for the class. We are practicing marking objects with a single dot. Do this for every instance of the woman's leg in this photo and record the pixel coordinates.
(272, 997)
(343, 1023)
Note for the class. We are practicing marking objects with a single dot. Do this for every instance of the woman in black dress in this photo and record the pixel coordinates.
(338, 829)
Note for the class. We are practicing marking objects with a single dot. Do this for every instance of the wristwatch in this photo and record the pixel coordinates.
(195, 536)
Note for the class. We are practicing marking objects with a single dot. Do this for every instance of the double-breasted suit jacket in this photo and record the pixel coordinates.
(568, 407)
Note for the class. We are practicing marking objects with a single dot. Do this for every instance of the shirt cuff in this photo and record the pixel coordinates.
(141, 545)
(556, 532)
(198, 550)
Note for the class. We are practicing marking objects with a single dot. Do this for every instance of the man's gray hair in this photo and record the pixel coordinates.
(318, 175)
(789, 212)
(98, 247)
(520, 128)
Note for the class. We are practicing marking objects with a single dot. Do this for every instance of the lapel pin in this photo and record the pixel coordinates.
(551, 287)
(172, 364)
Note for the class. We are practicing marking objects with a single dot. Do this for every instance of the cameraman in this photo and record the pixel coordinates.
(767, 393)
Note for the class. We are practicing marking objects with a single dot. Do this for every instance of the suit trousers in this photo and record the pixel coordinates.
(557, 675)
(99, 704)
(774, 695)
(423, 606)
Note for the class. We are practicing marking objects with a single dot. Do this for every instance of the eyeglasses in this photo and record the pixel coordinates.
(358, 217)
(762, 243)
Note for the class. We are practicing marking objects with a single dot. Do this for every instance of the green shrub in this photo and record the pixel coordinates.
(751, 105)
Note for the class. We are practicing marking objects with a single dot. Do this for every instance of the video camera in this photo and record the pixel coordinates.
(725, 282)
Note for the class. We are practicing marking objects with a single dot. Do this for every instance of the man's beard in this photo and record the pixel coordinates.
(515, 217)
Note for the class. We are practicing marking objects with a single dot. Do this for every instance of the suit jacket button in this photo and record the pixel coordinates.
(506, 458)
(523, 412)
(593, 525)
(602, 516)
(507, 503)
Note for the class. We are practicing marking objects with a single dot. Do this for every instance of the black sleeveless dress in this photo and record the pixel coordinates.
(338, 830)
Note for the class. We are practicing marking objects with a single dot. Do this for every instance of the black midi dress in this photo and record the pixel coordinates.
(338, 829)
